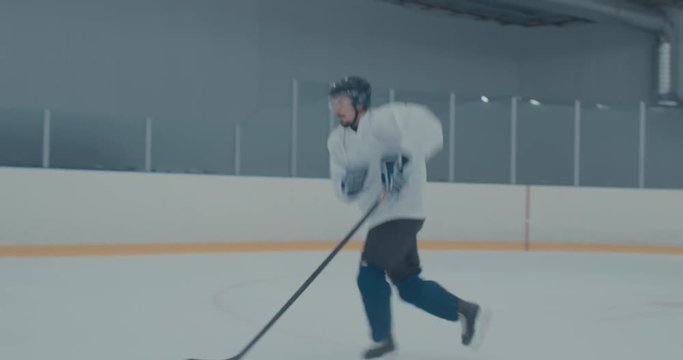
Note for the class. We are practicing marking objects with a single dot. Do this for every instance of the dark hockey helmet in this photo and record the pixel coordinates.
(356, 88)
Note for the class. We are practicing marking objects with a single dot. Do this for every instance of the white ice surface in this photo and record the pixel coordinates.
(559, 306)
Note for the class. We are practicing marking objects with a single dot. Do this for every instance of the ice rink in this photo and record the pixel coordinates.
(561, 306)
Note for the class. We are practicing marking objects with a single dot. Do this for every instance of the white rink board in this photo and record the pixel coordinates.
(40, 206)
(606, 216)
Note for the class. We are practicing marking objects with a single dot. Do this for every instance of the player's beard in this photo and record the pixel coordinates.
(352, 123)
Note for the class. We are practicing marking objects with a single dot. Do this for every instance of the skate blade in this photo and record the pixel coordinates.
(481, 328)
(389, 356)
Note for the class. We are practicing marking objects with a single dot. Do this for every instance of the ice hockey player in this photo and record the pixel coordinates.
(384, 150)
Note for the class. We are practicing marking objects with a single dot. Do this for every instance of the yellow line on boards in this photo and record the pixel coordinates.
(82, 250)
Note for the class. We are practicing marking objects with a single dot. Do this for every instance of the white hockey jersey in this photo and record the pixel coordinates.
(391, 129)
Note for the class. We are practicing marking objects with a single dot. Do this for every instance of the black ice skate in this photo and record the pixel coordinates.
(379, 349)
(469, 315)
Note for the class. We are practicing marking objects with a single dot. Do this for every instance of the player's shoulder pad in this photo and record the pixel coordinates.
(401, 107)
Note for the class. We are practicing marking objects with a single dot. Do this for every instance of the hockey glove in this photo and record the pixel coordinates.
(353, 181)
(392, 173)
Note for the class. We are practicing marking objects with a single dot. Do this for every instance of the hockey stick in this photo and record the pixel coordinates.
(309, 280)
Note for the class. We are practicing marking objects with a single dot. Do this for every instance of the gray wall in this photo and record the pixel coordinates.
(198, 67)
(157, 57)
(676, 17)
(597, 63)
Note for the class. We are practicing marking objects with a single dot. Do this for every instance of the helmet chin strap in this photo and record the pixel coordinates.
(354, 124)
